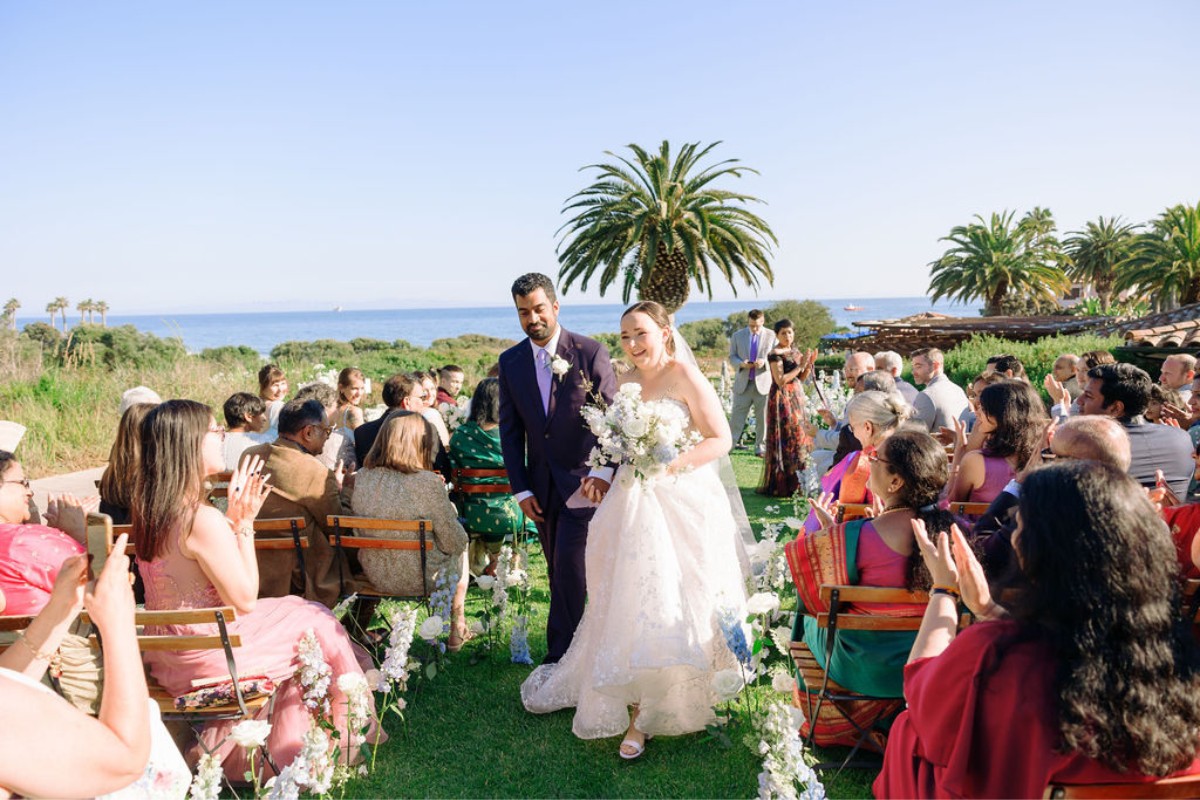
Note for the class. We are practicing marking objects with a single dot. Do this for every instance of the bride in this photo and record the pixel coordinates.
(661, 560)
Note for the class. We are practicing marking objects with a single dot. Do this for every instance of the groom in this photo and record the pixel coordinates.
(544, 383)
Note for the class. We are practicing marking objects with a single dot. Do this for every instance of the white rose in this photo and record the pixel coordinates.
(795, 523)
(782, 682)
(637, 427)
(762, 603)
(352, 682)
(515, 578)
(431, 628)
(485, 582)
(727, 683)
(631, 390)
(250, 733)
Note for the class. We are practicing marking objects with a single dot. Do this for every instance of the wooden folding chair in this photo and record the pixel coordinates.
(975, 510)
(1178, 787)
(13, 626)
(466, 484)
(344, 539)
(813, 673)
(851, 511)
(292, 525)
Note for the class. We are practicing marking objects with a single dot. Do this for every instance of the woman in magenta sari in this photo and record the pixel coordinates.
(1010, 427)
(1087, 676)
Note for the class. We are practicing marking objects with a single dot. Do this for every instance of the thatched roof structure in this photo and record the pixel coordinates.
(929, 329)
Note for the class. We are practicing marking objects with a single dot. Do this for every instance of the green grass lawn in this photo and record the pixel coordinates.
(467, 734)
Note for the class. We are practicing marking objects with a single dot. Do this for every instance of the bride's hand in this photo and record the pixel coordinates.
(594, 489)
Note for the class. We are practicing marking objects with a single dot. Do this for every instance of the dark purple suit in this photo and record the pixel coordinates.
(546, 452)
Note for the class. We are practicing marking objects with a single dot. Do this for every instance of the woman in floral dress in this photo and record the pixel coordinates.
(788, 445)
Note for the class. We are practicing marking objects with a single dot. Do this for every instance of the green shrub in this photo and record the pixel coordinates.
(233, 355)
(321, 351)
(45, 335)
(612, 341)
(124, 345)
(967, 360)
(707, 337)
(362, 344)
(810, 319)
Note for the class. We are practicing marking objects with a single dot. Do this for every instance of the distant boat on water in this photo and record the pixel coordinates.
(852, 307)
(337, 309)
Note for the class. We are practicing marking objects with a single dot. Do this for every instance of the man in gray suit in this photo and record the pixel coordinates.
(748, 349)
(942, 401)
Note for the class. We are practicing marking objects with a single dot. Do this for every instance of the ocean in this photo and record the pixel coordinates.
(420, 326)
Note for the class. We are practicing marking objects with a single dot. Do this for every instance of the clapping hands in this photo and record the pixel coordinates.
(248, 489)
(951, 562)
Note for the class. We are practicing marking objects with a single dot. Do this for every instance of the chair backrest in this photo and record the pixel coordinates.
(968, 509)
(293, 525)
(464, 481)
(906, 618)
(849, 511)
(342, 527)
(220, 484)
(1178, 787)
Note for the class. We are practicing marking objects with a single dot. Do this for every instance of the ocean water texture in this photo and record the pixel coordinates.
(421, 326)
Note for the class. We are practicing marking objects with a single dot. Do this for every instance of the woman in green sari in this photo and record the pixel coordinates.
(489, 518)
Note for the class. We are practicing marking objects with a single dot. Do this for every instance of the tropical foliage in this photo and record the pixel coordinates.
(994, 259)
(1166, 259)
(1097, 254)
(10, 313)
(655, 224)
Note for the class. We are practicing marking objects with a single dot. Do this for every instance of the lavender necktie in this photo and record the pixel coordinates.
(543, 377)
(753, 353)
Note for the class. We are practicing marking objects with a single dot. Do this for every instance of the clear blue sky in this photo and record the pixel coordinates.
(217, 155)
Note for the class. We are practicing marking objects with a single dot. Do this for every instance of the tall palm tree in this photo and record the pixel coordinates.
(102, 307)
(1097, 254)
(52, 310)
(655, 224)
(61, 304)
(994, 259)
(1166, 258)
(82, 307)
(10, 311)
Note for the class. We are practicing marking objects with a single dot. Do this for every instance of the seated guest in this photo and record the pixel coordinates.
(1089, 658)
(874, 381)
(1064, 372)
(302, 487)
(246, 424)
(401, 392)
(450, 383)
(116, 482)
(351, 389)
(430, 411)
(1177, 372)
(967, 418)
(1011, 422)
(1055, 388)
(891, 363)
(907, 473)
(192, 556)
(941, 402)
(339, 445)
(272, 388)
(874, 416)
(397, 483)
(1121, 391)
(476, 445)
(1160, 397)
(825, 442)
(54, 750)
(1007, 366)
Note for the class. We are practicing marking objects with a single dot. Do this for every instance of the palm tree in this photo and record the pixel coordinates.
(61, 304)
(1097, 253)
(1166, 258)
(656, 226)
(995, 259)
(82, 307)
(102, 307)
(52, 310)
(10, 311)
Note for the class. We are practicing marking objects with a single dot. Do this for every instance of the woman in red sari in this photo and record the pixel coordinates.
(1087, 678)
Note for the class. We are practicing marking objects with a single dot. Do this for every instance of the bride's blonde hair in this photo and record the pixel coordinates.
(658, 315)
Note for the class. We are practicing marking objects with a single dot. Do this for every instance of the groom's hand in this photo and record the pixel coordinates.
(532, 509)
(594, 489)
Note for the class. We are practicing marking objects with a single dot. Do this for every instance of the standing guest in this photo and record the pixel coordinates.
(338, 452)
(397, 483)
(890, 362)
(787, 443)
(941, 402)
(272, 388)
(1177, 372)
(1122, 391)
(748, 349)
(496, 518)
(192, 556)
(303, 487)
(352, 387)
(450, 383)
(1089, 361)
(246, 423)
(430, 412)
(1010, 425)
(1089, 658)
(116, 483)
(543, 388)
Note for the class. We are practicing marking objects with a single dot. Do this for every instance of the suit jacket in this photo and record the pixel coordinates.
(739, 353)
(940, 404)
(549, 449)
(1156, 447)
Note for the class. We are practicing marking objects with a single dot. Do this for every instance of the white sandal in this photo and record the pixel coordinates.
(635, 746)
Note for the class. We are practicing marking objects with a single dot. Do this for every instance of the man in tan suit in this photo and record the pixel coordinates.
(303, 487)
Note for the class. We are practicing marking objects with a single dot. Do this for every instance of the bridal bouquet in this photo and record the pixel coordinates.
(646, 435)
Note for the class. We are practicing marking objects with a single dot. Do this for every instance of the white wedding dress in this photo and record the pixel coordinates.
(661, 559)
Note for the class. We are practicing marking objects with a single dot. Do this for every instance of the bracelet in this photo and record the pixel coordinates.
(38, 655)
(947, 590)
(242, 528)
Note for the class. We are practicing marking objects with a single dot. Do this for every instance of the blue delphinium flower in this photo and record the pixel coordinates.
(518, 643)
(735, 634)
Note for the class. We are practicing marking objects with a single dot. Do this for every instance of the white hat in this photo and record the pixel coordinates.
(138, 394)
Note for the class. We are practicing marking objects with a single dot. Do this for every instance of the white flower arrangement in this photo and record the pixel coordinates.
(394, 668)
(314, 674)
(313, 767)
(250, 733)
(787, 772)
(454, 414)
(209, 777)
(431, 628)
(727, 683)
(559, 365)
(763, 604)
(358, 700)
(646, 435)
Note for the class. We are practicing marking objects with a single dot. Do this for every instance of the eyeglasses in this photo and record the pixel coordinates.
(326, 429)
(874, 458)
(218, 430)
(24, 482)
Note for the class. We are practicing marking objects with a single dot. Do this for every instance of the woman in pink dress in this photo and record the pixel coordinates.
(1010, 424)
(192, 556)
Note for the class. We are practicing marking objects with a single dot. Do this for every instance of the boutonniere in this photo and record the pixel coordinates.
(559, 365)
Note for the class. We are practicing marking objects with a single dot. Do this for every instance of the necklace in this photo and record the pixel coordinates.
(890, 509)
